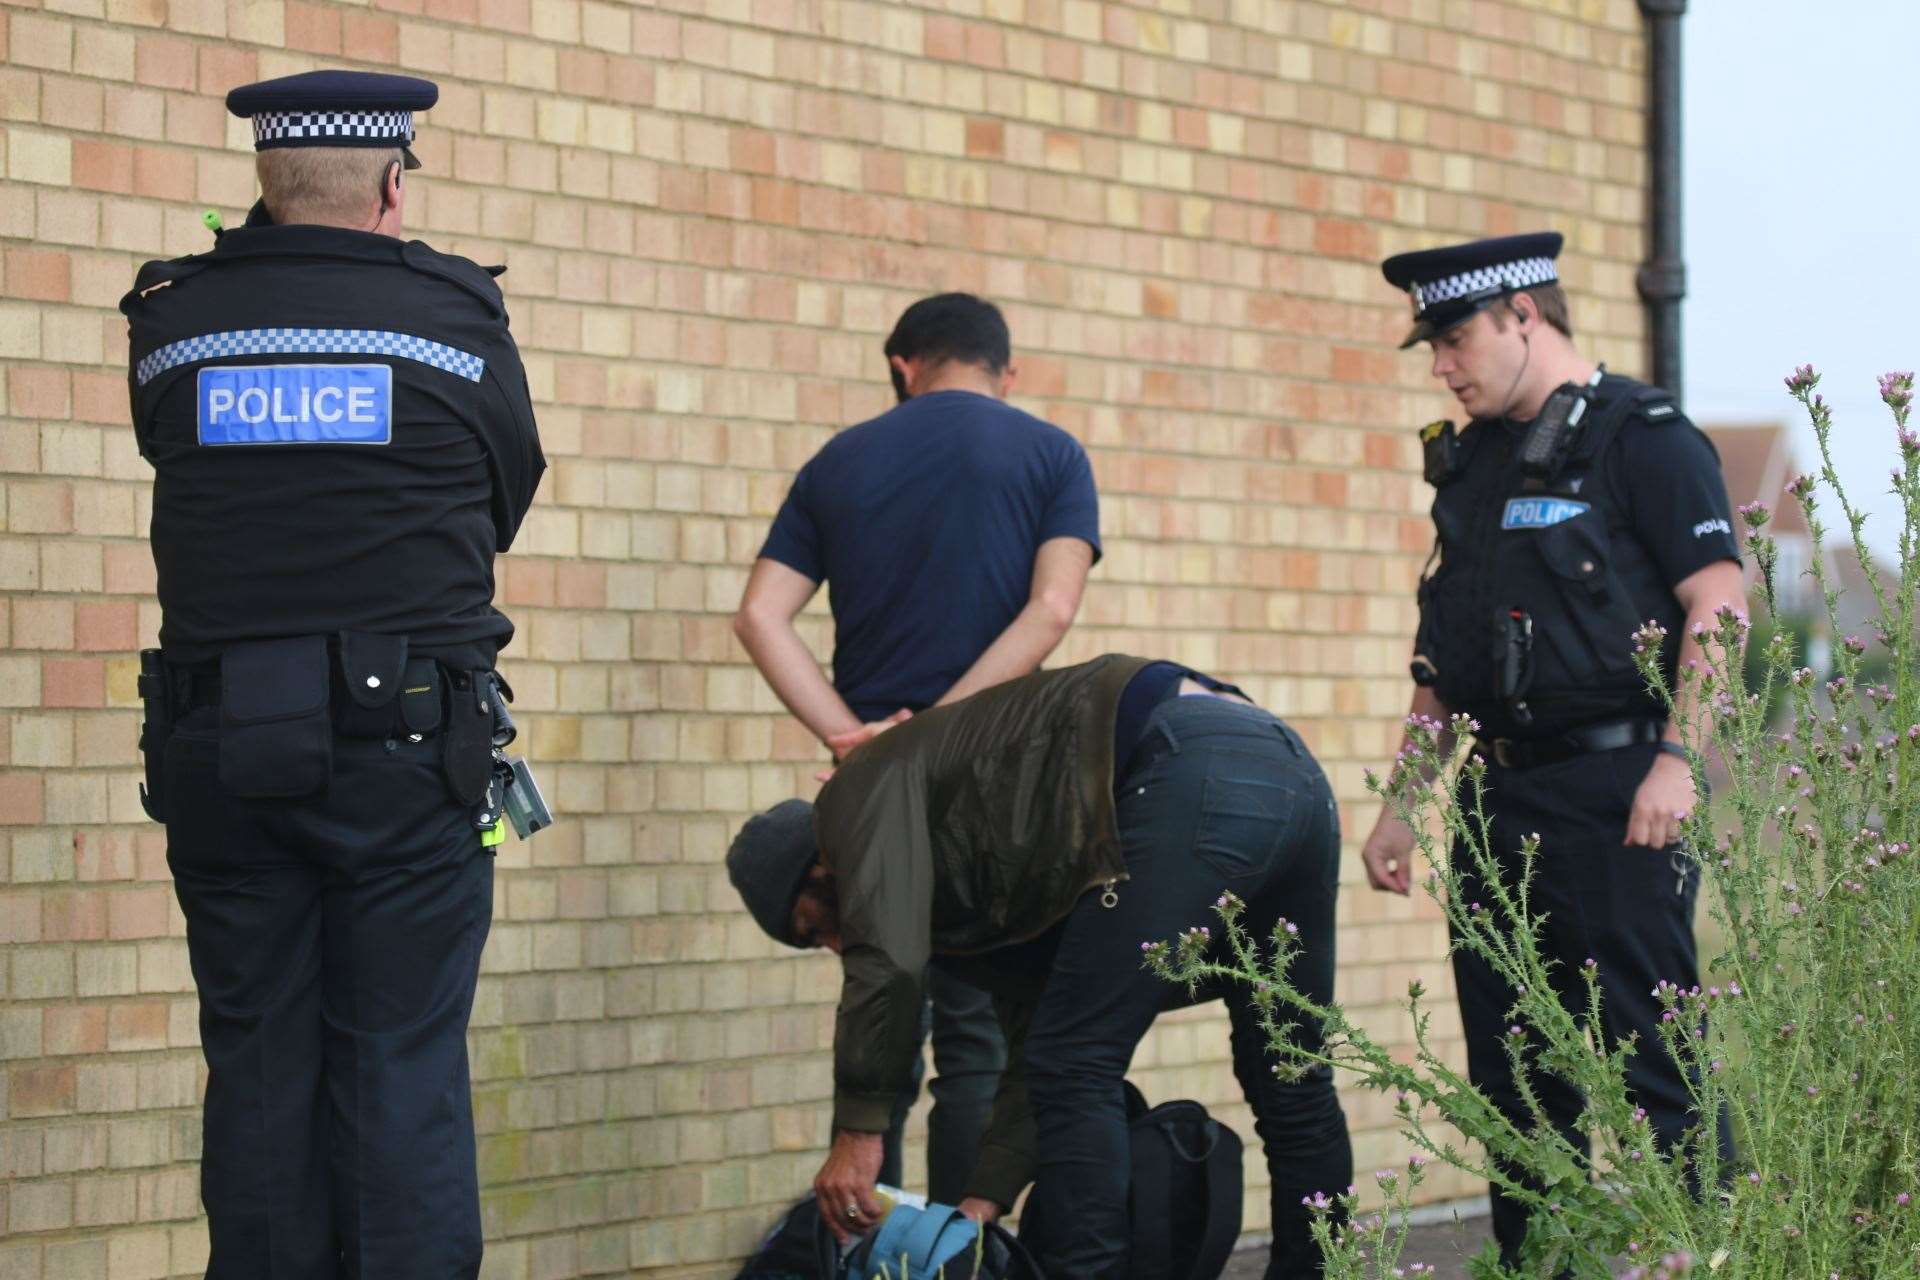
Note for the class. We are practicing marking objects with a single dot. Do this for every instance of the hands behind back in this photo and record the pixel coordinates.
(845, 744)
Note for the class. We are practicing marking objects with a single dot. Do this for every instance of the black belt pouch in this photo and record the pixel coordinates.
(466, 743)
(372, 668)
(276, 737)
(156, 697)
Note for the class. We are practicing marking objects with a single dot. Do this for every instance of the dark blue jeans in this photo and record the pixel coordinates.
(969, 1054)
(1221, 796)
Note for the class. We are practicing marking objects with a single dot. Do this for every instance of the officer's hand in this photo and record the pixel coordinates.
(844, 1185)
(1388, 854)
(980, 1209)
(1661, 804)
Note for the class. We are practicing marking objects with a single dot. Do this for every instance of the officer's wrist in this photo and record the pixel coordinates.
(1667, 747)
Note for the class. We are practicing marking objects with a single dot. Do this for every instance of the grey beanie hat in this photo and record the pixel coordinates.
(769, 862)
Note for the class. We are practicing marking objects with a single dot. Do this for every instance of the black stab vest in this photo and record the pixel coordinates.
(1561, 552)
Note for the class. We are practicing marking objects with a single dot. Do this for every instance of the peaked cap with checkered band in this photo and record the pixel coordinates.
(1450, 284)
(335, 109)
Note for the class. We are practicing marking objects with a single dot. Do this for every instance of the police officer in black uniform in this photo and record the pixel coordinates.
(1574, 506)
(342, 439)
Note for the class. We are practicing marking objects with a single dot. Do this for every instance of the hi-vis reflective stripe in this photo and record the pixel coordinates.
(282, 342)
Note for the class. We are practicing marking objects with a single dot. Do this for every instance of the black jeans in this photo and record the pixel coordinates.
(1221, 796)
(1627, 907)
(969, 1054)
(335, 944)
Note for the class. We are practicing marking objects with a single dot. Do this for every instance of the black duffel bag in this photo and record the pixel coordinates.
(1185, 1197)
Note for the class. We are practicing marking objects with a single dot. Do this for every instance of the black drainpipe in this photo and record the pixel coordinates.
(1662, 279)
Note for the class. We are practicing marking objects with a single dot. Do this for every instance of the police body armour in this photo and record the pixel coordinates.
(1527, 614)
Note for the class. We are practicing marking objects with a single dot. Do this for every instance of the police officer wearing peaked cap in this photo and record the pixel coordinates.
(1573, 506)
(342, 439)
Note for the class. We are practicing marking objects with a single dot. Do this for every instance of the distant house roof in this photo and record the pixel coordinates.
(1757, 460)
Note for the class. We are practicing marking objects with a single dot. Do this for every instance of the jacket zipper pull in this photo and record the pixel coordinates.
(1109, 897)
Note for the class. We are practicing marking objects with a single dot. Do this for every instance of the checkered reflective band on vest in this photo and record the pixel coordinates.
(306, 342)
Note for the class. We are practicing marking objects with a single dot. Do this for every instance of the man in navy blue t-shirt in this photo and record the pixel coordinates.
(955, 534)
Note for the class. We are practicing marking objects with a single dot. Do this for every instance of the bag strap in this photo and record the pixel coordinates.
(1016, 1253)
(926, 1237)
(1222, 1175)
(826, 1250)
(1149, 1201)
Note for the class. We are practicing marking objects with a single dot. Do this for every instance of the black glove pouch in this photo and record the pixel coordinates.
(466, 750)
(421, 697)
(276, 737)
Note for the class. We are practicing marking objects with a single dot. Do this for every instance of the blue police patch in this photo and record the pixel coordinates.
(1540, 513)
(296, 404)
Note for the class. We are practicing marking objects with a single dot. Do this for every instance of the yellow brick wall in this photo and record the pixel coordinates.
(712, 213)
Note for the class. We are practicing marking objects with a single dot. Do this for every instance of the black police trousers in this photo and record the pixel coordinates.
(335, 943)
(1629, 908)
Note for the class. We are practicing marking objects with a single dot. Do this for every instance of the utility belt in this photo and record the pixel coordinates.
(1606, 735)
(418, 713)
(282, 702)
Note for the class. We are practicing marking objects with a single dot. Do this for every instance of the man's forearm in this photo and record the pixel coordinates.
(789, 667)
(1017, 651)
(1702, 594)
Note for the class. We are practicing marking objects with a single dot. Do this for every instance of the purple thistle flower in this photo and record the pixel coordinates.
(1897, 390)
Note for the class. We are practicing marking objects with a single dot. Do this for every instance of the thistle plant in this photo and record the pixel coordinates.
(1803, 1029)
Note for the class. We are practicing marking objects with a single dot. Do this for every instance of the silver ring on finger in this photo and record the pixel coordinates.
(853, 1211)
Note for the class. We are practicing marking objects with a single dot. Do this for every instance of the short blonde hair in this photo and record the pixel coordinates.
(333, 186)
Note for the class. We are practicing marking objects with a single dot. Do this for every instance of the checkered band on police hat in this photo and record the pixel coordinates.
(338, 128)
(1523, 273)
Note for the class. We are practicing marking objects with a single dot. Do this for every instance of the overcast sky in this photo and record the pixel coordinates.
(1802, 195)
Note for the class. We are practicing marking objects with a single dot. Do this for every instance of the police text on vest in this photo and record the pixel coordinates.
(296, 404)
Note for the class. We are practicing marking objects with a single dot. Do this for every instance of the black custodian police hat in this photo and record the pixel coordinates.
(335, 109)
(1450, 284)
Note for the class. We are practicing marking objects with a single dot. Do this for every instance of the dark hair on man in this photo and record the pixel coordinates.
(1550, 300)
(950, 326)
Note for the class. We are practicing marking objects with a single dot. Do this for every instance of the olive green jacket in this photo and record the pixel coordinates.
(969, 827)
